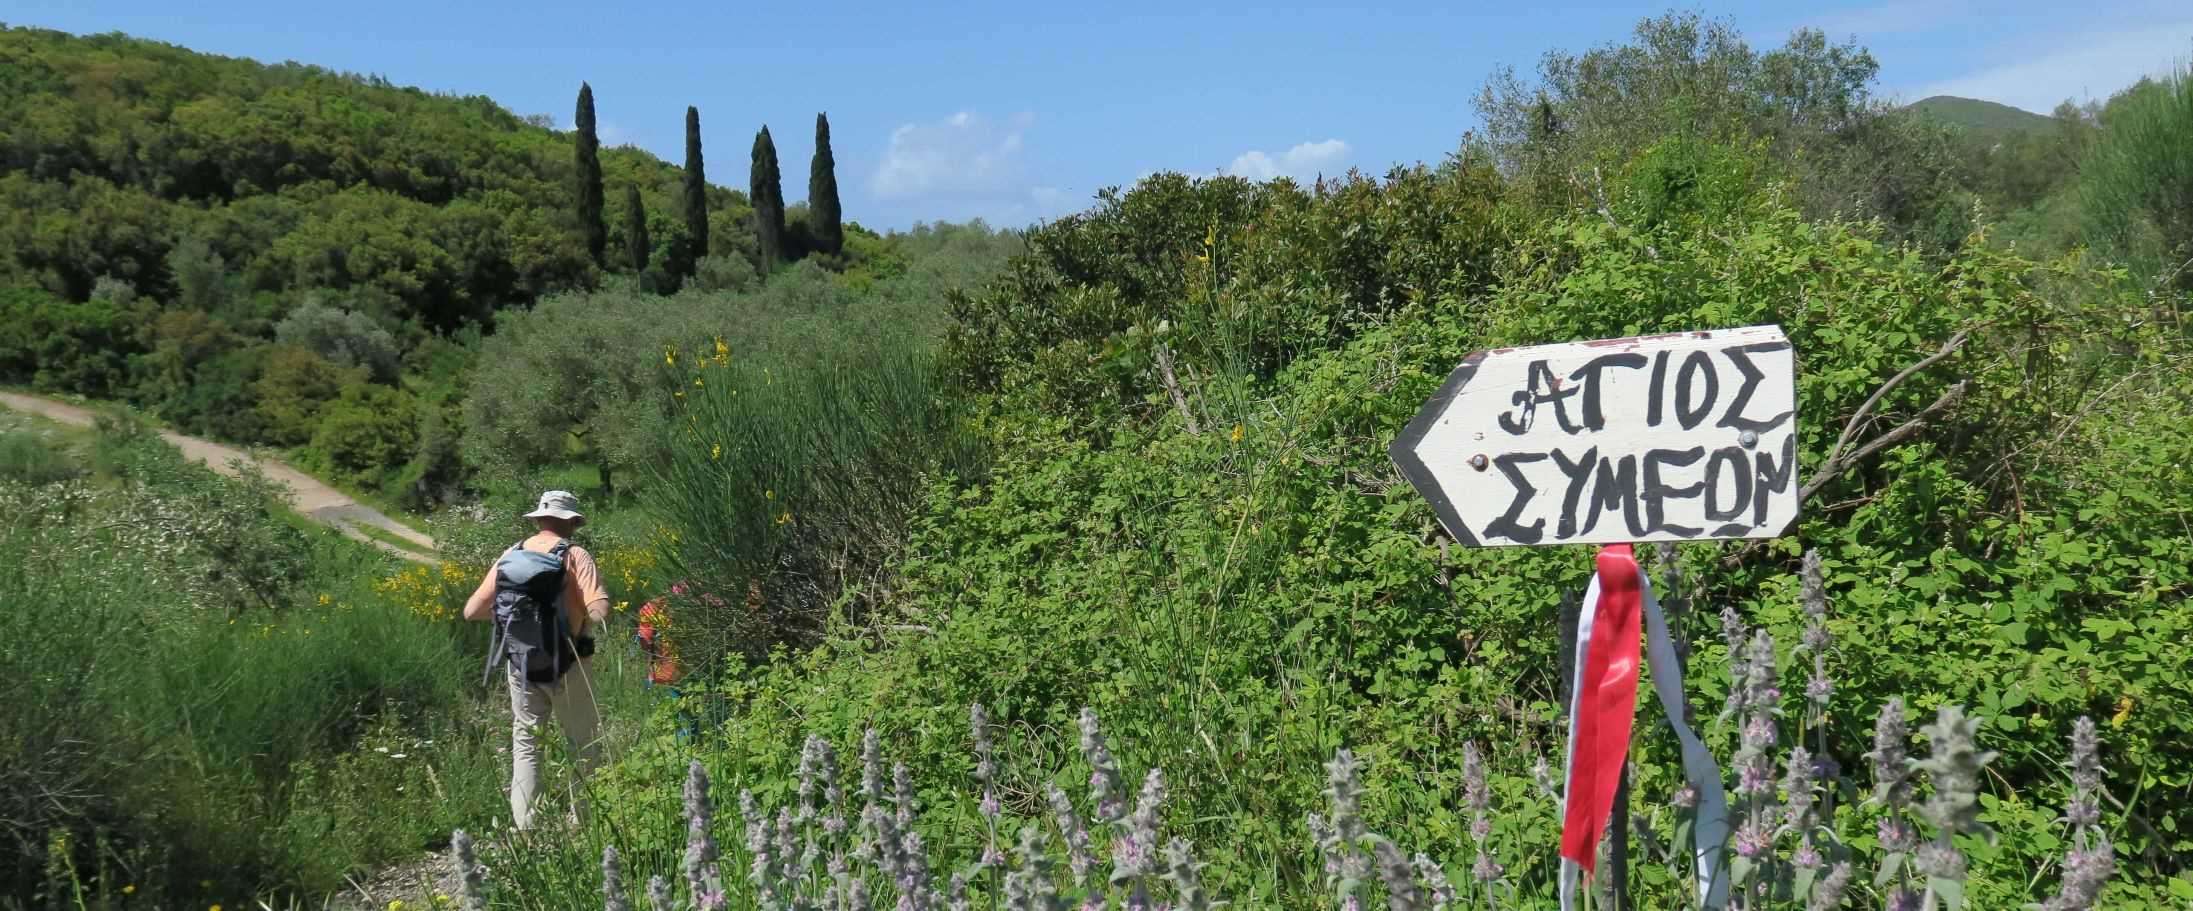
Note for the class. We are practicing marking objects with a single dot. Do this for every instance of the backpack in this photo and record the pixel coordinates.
(530, 630)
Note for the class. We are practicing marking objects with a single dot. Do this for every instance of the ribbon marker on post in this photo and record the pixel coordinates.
(1602, 709)
(1603, 703)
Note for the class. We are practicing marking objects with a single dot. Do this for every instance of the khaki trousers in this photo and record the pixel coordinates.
(571, 701)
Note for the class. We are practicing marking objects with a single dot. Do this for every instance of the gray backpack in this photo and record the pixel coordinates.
(530, 630)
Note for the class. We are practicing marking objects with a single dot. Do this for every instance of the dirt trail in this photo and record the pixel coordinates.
(310, 497)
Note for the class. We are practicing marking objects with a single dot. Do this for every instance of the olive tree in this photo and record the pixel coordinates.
(579, 376)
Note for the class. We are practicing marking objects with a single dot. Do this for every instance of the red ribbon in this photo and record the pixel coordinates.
(1606, 703)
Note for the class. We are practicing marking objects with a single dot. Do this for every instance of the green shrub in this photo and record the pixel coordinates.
(366, 434)
(343, 337)
(293, 388)
(65, 346)
(2136, 186)
(29, 458)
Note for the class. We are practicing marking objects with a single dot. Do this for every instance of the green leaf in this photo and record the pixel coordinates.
(1890, 865)
(1952, 891)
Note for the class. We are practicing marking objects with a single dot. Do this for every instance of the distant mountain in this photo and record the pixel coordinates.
(1980, 116)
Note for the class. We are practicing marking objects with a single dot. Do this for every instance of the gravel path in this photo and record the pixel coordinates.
(315, 500)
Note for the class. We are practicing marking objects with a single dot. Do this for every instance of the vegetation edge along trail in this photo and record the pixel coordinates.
(309, 496)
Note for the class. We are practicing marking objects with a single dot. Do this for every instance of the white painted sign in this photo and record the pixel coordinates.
(1682, 437)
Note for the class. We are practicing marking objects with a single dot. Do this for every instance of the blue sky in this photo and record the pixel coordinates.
(1019, 111)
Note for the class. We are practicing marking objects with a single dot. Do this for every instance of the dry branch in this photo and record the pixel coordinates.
(1172, 386)
(1840, 460)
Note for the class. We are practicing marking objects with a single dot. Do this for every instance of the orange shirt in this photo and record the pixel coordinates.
(662, 664)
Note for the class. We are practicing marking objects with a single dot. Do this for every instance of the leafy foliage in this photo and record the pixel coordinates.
(1242, 583)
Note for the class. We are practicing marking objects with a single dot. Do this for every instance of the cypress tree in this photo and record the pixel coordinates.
(590, 177)
(696, 195)
(823, 210)
(637, 247)
(767, 189)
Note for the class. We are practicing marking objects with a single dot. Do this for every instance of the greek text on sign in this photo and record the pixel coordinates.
(1681, 437)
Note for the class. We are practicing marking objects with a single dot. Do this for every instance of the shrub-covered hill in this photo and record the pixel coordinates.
(124, 158)
(1980, 116)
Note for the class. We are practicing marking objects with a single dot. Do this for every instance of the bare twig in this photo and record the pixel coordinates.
(1838, 460)
(1836, 466)
(1858, 419)
(1172, 386)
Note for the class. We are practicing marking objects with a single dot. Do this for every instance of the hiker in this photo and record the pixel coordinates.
(662, 657)
(544, 596)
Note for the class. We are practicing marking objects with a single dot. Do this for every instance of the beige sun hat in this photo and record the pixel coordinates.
(558, 504)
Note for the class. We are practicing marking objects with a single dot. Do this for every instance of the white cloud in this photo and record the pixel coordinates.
(2089, 67)
(965, 153)
(1303, 162)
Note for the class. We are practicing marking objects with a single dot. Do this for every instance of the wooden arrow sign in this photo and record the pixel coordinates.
(1681, 437)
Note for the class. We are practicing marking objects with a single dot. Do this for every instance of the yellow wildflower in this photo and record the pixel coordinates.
(1210, 236)
(768, 494)
(785, 518)
(696, 381)
(1237, 433)
(325, 600)
(2124, 711)
(669, 356)
(715, 452)
(723, 351)
(129, 889)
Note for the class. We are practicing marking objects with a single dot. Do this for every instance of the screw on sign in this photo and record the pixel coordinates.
(1686, 436)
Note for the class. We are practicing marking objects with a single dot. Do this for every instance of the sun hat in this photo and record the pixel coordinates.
(558, 504)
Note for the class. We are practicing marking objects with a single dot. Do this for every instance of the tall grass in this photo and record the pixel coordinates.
(789, 482)
(2136, 187)
(197, 746)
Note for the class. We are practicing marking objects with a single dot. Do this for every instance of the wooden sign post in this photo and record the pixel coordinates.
(1681, 437)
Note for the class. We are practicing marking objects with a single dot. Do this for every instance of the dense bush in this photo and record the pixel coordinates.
(344, 338)
(544, 387)
(1245, 597)
(30, 458)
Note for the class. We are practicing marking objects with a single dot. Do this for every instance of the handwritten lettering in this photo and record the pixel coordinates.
(1682, 442)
